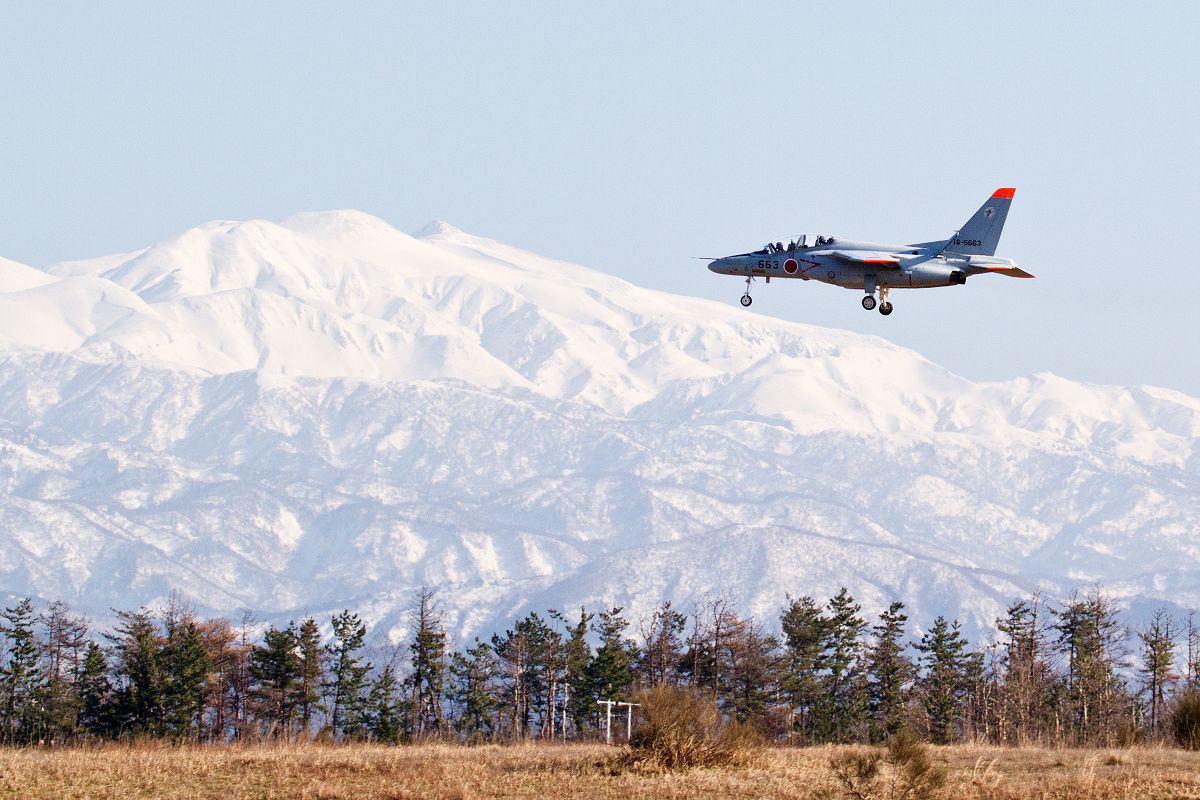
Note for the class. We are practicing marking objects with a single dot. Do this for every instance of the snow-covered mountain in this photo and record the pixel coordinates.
(326, 413)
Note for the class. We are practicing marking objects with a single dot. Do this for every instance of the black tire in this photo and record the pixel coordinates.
(869, 302)
(885, 308)
(746, 301)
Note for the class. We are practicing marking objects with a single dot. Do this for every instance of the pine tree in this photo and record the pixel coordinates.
(752, 676)
(428, 657)
(385, 708)
(238, 678)
(577, 663)
(471, 676)
(659, 659)
(889, 673)
(275, 673)
(1023, 713)
(805, 630)
(1157, 665)
(513, 656)
(61, 648)
(704, 663)
(947, 667)
(94, 695)
(311, 675)
(20, 679)
(1094, 642)
(136, 642)
(218, 638)
(843, 702)
(346, 681)
(185, 666)
(1192, 668)
(611, 670)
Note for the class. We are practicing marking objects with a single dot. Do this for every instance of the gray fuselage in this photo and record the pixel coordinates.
(897, 267)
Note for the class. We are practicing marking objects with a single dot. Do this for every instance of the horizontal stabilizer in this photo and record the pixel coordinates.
(1000, 266)
(1012, 272)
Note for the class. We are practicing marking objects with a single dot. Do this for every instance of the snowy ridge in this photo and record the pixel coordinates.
(325, 413)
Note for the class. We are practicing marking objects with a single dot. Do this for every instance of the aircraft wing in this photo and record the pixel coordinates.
(882, 258)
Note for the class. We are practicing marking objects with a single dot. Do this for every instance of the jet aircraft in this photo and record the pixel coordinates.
(870, 266)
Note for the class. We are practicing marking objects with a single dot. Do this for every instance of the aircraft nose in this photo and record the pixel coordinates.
(719, 265)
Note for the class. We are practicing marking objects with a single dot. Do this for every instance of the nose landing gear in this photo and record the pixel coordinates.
(746, 300)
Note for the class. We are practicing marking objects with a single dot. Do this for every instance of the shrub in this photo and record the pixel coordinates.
(910, 774)
(1186, 721)
(678, 730)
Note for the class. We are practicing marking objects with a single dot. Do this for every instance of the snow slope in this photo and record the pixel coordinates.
(325, 413)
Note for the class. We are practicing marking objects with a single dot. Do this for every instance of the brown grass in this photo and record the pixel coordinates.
(545, 772)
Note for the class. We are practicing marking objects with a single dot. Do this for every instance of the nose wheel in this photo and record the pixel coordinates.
(746, 299)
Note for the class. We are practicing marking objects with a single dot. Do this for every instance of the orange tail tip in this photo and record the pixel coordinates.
(1004, 193)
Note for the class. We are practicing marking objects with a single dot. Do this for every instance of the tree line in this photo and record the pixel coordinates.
(1068, 673)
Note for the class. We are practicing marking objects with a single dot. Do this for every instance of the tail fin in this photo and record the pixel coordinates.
(981, 234)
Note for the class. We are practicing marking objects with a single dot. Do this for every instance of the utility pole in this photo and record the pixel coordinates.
(628, 719)
(608, 704)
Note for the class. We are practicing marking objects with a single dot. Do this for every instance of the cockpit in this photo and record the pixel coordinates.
(802, 242)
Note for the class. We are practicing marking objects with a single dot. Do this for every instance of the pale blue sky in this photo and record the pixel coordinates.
(630, 137)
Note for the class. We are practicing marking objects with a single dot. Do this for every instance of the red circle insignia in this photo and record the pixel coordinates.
(790, 266)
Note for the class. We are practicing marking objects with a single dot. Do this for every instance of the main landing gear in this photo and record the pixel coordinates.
(746, 300)
(885, 307)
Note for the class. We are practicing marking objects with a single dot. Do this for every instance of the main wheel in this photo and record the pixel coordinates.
(885, 308)
(746, 301)
(869, 302)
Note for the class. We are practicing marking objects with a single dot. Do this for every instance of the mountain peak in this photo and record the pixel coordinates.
(436, 228)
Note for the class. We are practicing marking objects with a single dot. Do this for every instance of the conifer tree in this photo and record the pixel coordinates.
(890, 673)
(1191, 678)
(217, 637)
(805, 629)
(528, 656)
(577, 661)
(20, 679)
(1023, 712)
(385, 708)
(752, 675)
(1093, 640)
(947, 667)
(136, 643)
(346, 680)
(275, 673)
(662, 651)
(185, 666)
(843, 701)
(311, 674)
(1157, 665)
(61, 647)
(238, 677)
(428, 655)
(94, 694)
(611, 670)
(471, 676)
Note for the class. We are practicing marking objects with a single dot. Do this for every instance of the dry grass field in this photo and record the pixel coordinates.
(561, 771)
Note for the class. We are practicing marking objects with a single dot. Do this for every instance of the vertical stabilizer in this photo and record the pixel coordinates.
(981, 234)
